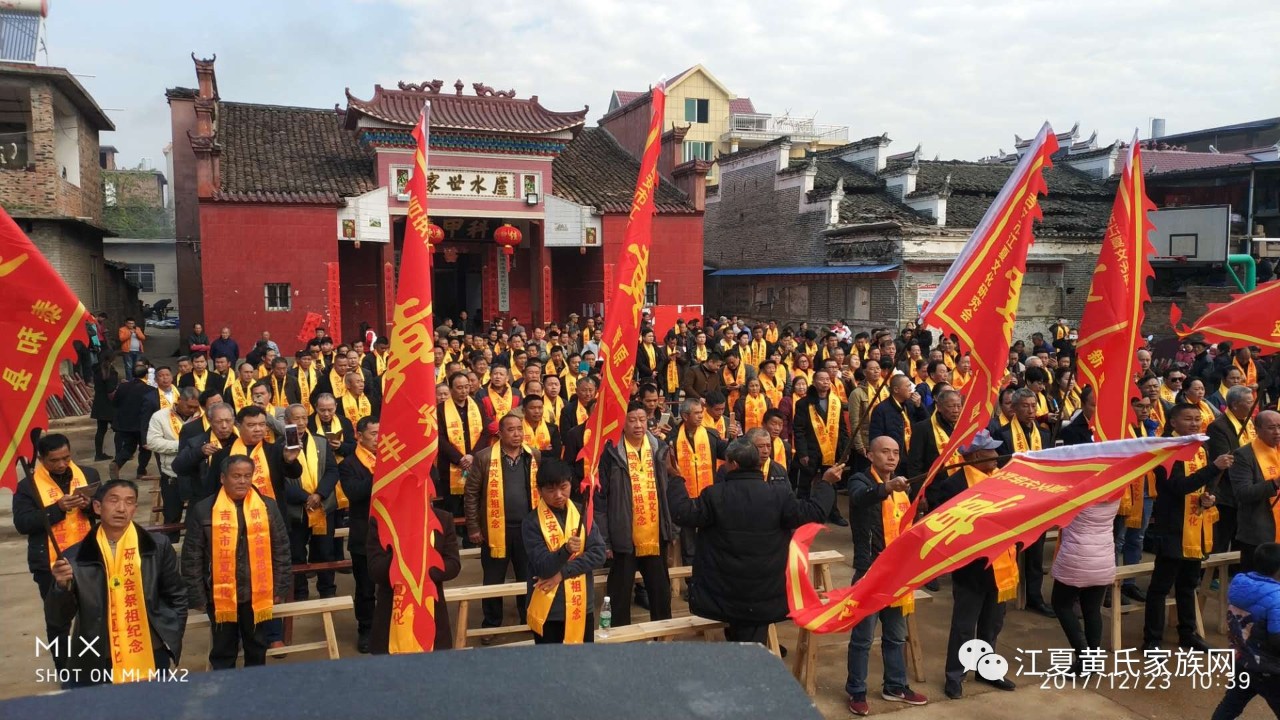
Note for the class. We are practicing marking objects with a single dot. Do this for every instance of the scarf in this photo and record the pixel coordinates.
(1004, 565)
(580, 413)
(739, 378)
(355, 408)
(780, 454)
(379, 363)
(644, 499)
(226, 533)
(176, 422)
(771, 335)
(906, 427)
(673, 374)
(1167, 394)
(838, 389)
(877, 397)
(337, 385)
(261, 471)
(826, 430)
(651, 353)
(1246, 432)
(310, 460)
(501, 402)
(1268, 459)
(759, 351)
(168, 399)
(771, 389)
(1157, 414)
(1197, 522)
(806, 374)
(239, 395)
(552, 407)
(695, 460)
(199, 379)
(754, 408)
(940, 438)
(1250, 372)
(575, 588)
(1131, 502)
(75, 525)
(1020, 438)
(495, 507)
(279, 397)
(700, 353)
(721, 426)
(892, 509)
(959, 379)
(130, 632)
(464, 442)
(1071, 403)
(950, 360)
(539, 437)
(306, 382)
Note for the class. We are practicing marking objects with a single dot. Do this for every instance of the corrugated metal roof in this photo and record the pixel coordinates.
(813, 270)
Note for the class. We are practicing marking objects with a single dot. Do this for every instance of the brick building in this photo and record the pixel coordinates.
(137, 211)
(51, 182)
(861, 234)
(282, 211)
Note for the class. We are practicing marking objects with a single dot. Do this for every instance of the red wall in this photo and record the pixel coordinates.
(675, 257)
(243, 247)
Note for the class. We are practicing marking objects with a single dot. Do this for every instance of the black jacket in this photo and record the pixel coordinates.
(1254, 496)
(886, 419)
(348, 444)
(197, 555)
(1169, 509)
(214, 381)
(130, 402)
(866, 519)
(357, 485)
(1075, 432)
(924, 448)
(744, 529)
(326, 480)
(449, 455)
(613, 503)
(806, 440)
(1223, 440)
(27, 511)
(1006, 437)
(163, 592)
(544, 564)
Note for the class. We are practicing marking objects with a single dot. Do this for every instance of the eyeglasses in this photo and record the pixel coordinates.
(1176, 379)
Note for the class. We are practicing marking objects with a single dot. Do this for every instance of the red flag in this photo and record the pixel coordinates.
(621, 332)
(1113, 313)
(39, 315)
(1249, 319)
(409, 436)
(978, 298)
(1017, 503)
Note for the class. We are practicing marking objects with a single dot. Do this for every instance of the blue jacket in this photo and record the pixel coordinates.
(1259, 597)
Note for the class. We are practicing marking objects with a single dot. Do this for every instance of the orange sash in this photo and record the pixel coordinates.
(755, 407)
(644, 499)
(496, 504)
(75, 525)
(453, 429)
(892, 509)
(261, 470)
(695, 461)
(226, 533)
(827, 430)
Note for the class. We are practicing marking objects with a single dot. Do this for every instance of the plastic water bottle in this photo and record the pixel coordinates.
(606, 617)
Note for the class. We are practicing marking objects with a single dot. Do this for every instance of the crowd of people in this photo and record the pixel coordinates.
(737, 432)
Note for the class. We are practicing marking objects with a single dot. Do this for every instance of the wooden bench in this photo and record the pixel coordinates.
(1118, 609)
(663, 630)
(325, 607)
(805, 668)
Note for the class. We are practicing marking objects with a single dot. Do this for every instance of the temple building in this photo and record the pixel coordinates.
(282, 212)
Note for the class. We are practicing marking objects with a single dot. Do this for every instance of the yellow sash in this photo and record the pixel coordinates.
(226, 533)
(199, 380)
(1250, 373)
(1020, 438)
(700, 353)
(279, 397)
(355, 409)
(941, 438)
(539, 437)
(644, 499)
(739, 378)
(673, 374)
(1167, 394)
(75, 526)
(837, 388)
(950, 360)
(1197, 523)
(307, 382)
(379, 363)
(1131, 502)
(827, 430)
(906, 428)
(695, 461)
(1269, 462)
(465, 445)
(337, 385)
(755, 407)
(496, 509)
(575, 599)
(240, 396)
(771, 389)
(168, 399)
(806, 374)
(780, 454)
(892, 509)
(261, 470)
(366, 458)
(959, 379)
(501, 403)
(771, 335)
(551, 409)
(651, 353)
(175, 423)
(1157, 414)
(759, 352)
(130, 632)
(1004, 565)
(1245, 433)
(310, 460)
(581, 413)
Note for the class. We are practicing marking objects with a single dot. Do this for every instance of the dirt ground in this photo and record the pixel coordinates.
(22, 621)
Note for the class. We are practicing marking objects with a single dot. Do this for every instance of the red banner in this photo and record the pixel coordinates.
(1112, 324)
(333, 288)
(409, 436)
(978, 298)
(40, 315)
(308, 329)
(1249, 319)
(621, 333)
(1017, 503)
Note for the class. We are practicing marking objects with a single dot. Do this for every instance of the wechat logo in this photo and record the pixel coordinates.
(978, 656)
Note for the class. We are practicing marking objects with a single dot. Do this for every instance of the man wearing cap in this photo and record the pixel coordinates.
(980, 589)
(1202, 367)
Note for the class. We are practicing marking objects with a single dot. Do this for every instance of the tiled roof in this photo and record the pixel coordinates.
(1158, 162)
(859, 208)
(185, 93)
(742, 106)
(486, 110)
(280, 154)
(832, 169)
(595, 170)
(626, 96)
(759, 148)
(1095, 153)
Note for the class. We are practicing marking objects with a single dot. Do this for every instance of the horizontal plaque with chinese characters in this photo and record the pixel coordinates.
(470, 183)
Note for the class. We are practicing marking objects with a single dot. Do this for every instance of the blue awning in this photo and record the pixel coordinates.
(812, 270)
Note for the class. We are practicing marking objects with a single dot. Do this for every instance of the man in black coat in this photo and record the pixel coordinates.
(615, 509)
(1231, 430)
(893, 416)
(198, 547)
(1173, 569)
(51, 504)
(575, 411)
(1022, 434)
(1255, 483)
(132, 400)
(924, 433)
(869, 493)
(811, 458)
(80, 592)
(355, 473)
(744, 529)
(282, 463)
(310, 510)
(194, 464)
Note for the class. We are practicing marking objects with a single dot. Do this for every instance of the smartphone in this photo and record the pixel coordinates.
(291, 439)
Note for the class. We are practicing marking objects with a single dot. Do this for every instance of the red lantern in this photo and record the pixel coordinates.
(509, 238)
(435, 236)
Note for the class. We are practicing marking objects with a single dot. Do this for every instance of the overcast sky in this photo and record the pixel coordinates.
(958, 78)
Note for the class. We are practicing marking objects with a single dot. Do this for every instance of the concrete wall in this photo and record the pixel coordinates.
(149, 252)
